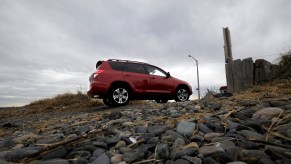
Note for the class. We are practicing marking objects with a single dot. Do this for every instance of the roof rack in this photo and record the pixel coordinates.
(119, 60)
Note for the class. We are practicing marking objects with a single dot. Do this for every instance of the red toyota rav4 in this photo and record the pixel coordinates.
(118, 81)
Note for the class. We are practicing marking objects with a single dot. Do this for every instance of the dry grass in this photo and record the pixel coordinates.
(62, 102)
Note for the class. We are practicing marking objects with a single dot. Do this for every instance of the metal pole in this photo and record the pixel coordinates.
(197, 76)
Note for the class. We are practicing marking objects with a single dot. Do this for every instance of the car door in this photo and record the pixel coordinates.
(159, 82)
(136, 75)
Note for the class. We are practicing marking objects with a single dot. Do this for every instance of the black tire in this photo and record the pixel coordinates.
(119, 95)
(182, 94)
(162, 101)
(108, 102)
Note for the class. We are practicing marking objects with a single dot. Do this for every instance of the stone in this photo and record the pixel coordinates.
(114, 115)
(157, 129)
(163, 151)
(266, 114)
(175, 135)
(239, 115)
(112, 140)
(120, 144)
(209, 160)
(210, 136)
(254, 125)
(248, 145)
(58, 153)
(193, 160)
(102, 159)
(237, 162)
(181, 161)
(8, 143)
(79, 154)
(179, 142)
(204, 128)
(140, 129)
(266, 161)
(262, 71)
(191, 145)
(186, 128)
(177, 153)
(247, 102)
(98, 152)
(208, 150)
(116, 159)
(251, 155)
(175, 115)
(15, 155)
(226, 144)
(100, 145)
(24, 138)
(56, 160)
(124, 149)
(219, 139)
(278, 103)
(251, 135)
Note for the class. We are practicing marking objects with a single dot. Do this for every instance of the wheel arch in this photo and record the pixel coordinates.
(182, 86)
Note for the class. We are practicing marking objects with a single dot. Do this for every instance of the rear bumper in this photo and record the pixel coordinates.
(97, 89)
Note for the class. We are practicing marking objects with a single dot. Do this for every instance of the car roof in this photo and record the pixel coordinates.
(129, 61)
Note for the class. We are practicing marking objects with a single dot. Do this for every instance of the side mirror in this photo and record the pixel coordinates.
(168, 74)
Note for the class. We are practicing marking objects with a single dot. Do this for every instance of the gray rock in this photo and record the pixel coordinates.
(133, 155)
(193, 160)
(175, 135)
(251, 135)
(208, 150)
(175, 115)
(58, 153)
(210, 136)
(112, 140)
(102, 159)
(140, 129)
(186, 128)
(98, 152)
(175, 154)
(278, 103)
(8, 143)
(163, 151)
(233, 151)
(56, 161)
(251, 155)
(226, 144)
(80, 154)
(247, 102)
(114, 115)
(124, 149)
(237, 162)
(181, 161)
(100, 145)
(179, 142)
(204, 128)
(266, 161)
(266, 114)
(15, 155)
(80, 161)
(249, 145)
(157, 129)
(218, 139)
(209, 160)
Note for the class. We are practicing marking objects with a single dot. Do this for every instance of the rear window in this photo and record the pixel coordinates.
(117, 66)
(98, 64)
(136, 68)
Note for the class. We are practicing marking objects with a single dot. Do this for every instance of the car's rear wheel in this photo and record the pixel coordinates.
(108, 102)
(182, 94)
(119, 95)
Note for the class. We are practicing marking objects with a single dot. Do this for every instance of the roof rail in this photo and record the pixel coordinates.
(119, 60)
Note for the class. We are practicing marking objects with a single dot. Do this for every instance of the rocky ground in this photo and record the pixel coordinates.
(250, 127)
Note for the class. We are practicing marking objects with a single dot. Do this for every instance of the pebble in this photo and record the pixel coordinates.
(116, 159)
(186, 128)
(120, 144)
(157, 129)
(204, 128)
(208, 150)
(210, 136)
(102, 159)
(163, 151)
(266, 114)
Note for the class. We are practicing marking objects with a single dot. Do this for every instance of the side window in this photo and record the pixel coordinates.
(117, 65)
(136, 68)
(156, 71)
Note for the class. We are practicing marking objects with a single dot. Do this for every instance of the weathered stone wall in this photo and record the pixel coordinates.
(244, 74)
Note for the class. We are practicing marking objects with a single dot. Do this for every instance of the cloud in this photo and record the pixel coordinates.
(49, 47)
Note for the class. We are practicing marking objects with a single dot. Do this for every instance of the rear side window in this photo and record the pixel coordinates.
(117, 66)
(136, 68)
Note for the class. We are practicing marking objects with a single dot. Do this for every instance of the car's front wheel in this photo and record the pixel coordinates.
(182, 94)
(119, 95)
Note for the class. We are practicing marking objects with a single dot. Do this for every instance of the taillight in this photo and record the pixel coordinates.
(97, 73)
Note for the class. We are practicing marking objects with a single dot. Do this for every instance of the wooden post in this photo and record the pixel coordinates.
(227, 45)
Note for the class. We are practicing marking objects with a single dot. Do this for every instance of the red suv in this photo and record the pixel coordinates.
(118, 81)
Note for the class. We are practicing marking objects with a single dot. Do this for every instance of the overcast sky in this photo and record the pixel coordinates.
(51, 47)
